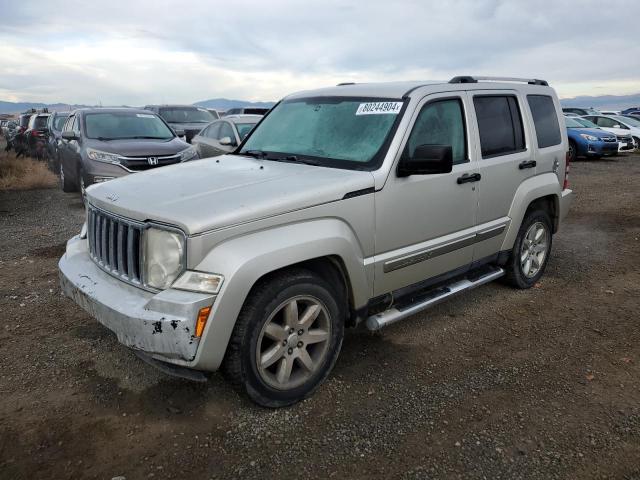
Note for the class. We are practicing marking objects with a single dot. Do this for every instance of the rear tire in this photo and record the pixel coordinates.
(286, 339)
(531, 250)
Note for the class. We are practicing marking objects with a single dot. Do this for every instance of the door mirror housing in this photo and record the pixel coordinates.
(427, 160)
(179, 132)
(226, 141)
(69, 135)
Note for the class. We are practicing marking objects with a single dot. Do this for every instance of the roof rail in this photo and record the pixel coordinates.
(470, 79)
(345, 83)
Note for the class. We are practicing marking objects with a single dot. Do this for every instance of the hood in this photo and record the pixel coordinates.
(208, 194)
(140, 147)
(593, 131)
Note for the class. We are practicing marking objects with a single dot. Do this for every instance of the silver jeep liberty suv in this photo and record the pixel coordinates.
(360, 203)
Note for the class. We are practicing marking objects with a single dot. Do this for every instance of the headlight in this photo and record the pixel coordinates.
(188, 154)
(198, 282)
(163, 257)
(105, 157)
(591, 138)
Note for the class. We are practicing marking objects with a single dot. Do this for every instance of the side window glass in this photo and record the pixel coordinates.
(212, 131)
(69, 123)
(440, 123)
(76, 125)
(605, 122)
(545, 120)
(226, 131)
(499, 125)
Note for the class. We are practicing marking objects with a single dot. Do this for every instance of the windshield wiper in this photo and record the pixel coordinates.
(306, 161)
(146, 136)
(104, 139)
(254, 153)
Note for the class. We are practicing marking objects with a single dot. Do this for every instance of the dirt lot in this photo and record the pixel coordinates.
(498, 384)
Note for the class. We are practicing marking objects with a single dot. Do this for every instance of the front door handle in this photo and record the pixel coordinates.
(468, 178)
(527, 164)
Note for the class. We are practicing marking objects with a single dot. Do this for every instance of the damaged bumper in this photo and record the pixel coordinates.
(160, 324)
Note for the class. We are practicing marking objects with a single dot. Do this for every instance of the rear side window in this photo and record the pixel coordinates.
(499, 124)
(545, 120)
(440, 123)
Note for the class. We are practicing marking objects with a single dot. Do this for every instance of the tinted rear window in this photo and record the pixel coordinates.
(40, 122)
(545, 120)
(499, 124)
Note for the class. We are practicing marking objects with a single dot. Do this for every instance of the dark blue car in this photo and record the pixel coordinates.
(586, 141)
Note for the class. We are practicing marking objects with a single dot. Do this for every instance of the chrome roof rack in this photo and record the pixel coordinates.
(474, 79)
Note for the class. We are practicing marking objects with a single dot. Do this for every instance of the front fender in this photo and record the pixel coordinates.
(530, 190)
(245, 259)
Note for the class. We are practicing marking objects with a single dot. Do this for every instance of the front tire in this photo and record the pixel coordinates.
(66, 183)
(286, 339)
(531, 250)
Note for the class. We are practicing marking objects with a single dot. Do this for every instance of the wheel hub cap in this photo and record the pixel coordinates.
(293, 342)
(534, 249)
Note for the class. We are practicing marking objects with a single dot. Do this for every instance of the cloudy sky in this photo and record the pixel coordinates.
(136, 52)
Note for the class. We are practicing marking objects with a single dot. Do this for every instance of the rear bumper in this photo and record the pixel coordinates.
(566, 198)
(160, 324)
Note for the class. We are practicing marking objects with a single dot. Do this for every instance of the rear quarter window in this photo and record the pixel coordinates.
(545, 120)
(499, 125)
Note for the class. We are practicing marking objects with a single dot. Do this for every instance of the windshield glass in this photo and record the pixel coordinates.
(343, 132)
(629, 121)
(585, 122)
(58, 122)
(571, 123)
(244, 129)
(186, 115)
(121, 125)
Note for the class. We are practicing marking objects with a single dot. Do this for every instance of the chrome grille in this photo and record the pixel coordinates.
(115, 245)
(609, 139)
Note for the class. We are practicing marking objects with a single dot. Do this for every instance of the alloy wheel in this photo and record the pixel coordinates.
(533, 252)
(293, 342)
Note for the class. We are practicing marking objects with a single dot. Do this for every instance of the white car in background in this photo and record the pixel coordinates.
(610, 112)
(626, 129)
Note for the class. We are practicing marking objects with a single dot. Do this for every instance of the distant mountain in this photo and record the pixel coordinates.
(216, 103)
(604, 102)
(18, 107)
(226, 104)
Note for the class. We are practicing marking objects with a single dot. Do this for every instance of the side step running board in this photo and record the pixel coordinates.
(431, 298)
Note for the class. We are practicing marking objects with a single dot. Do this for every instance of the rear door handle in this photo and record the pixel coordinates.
(527, 164)
(468, 178)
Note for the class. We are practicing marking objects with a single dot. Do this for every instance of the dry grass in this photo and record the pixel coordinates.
(24, 173)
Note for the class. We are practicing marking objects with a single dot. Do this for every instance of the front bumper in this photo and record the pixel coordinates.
(160, 324)
(601, 148)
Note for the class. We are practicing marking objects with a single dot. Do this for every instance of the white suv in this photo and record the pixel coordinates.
(345, 205)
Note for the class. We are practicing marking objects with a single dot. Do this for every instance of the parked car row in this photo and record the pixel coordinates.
(598, 134)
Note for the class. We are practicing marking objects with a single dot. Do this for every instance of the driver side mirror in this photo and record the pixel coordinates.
(427, 160)
(226, 141)
(69, 135)
(179, 132)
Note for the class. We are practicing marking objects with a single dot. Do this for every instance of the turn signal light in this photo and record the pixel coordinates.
(201, 322)
(566, 173)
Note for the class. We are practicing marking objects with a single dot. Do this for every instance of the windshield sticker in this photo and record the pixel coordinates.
(379, 108)
(144, 115)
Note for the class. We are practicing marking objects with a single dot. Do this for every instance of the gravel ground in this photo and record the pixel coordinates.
(497, 384)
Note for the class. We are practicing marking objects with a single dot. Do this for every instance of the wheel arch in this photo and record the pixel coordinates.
(325, 246)
(540, 191)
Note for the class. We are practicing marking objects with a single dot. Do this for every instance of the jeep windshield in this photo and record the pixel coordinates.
(125, 125)
(186, 115)
(340, 132)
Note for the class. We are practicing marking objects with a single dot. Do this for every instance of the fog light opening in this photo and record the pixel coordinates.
(201, 321)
